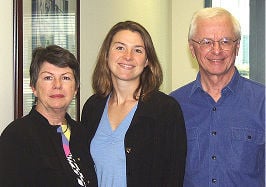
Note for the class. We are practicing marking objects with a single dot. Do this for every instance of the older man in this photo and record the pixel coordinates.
(224, 112)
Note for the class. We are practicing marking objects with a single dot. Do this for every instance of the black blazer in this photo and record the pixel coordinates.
(155, 143)
(31, 154)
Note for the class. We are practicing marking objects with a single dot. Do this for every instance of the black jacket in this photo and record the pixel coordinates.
(155, 143)
(31, 154)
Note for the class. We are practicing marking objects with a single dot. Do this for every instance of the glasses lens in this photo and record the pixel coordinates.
(206, 43)
(224, 44)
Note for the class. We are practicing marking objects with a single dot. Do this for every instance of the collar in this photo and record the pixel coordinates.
(38, 116)
(231, 86)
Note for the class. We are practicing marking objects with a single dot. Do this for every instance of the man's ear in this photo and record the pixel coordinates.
(191, 48)
(237, 47)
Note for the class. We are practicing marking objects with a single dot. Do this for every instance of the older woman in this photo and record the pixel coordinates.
(44, 148)
(136, 133)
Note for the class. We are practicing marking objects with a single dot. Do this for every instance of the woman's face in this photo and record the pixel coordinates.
(127, 56)
(55, 88)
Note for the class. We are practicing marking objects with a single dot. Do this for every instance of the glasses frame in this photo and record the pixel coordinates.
(213, 41)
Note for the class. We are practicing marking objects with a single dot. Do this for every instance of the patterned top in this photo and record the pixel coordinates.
(65, 133)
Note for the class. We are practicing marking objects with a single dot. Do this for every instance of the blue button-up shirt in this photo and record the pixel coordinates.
(226, 142)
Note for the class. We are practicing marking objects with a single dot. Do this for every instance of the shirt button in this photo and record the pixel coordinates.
(128, 150)
(214, 109)
(214, 180)
(213, 133)
(214, 157)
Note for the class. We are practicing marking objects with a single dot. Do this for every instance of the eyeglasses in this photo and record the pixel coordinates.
(208, 44)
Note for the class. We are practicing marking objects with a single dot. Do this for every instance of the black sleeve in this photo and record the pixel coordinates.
(176, 145)
(13, 159)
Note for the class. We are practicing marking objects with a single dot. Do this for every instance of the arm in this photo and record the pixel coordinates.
(176, 143)
(12, 159)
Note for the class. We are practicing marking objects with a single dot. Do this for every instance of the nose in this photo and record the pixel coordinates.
(128, 54)
(216, 47)
(57, 83)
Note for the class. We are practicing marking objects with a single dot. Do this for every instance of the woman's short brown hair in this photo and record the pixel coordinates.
(55, 55)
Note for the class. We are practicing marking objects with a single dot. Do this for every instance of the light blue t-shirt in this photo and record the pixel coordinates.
(108, 151)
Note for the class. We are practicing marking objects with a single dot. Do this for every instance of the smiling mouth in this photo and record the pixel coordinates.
(216, 60)
(126, 66)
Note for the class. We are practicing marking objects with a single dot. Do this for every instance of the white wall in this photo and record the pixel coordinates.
(184, 68)
(166, 20)
(6, 70)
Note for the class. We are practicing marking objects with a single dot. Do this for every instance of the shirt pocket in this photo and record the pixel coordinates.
(193, 153)
(247, 150)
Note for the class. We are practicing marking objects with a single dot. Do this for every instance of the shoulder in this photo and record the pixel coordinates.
(94, 104)
(95, 100)
(251, 91)
(183, 91)
(160, 103)
(252, 86)
(16, 131)
(93, 109)
(159, 98)
(162, 110)
(18, 126)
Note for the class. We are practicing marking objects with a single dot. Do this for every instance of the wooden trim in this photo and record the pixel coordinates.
(78, 56)
(18, 57)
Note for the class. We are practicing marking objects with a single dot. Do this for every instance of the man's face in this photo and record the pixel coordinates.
(214, 60)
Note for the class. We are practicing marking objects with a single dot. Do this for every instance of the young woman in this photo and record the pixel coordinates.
(136, 133)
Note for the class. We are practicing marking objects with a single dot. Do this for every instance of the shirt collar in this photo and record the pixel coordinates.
(232, 85)
(196, 85)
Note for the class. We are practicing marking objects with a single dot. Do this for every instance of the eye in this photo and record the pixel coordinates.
(139, 50)
(48, 78)
(66, 78)
(206, 42)
(120, 48)
(225, 42)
